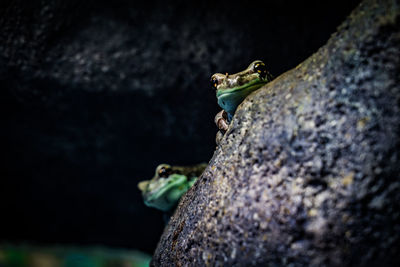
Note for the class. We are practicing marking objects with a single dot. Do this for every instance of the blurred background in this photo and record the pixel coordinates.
(95, 94)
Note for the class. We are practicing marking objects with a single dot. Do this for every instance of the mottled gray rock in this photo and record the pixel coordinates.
(308, 172)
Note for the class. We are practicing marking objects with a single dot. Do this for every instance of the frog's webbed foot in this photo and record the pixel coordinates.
(221, 120)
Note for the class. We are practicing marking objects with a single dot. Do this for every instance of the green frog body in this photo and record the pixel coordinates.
(169, 183)
(232, 89)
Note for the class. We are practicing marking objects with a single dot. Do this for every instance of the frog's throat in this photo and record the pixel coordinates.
(229, 99)
(166, 197)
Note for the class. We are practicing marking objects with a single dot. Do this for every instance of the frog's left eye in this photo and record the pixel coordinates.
(261, 69)
(164, 171)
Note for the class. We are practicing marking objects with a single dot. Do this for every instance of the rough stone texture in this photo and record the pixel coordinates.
(308, 172)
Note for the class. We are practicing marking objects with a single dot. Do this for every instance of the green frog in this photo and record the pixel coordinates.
(233, 89)
(169, 183)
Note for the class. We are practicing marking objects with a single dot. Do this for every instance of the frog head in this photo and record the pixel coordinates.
(233, 89)
(165, 189)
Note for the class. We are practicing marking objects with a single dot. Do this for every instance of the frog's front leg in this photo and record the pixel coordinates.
(221, 120)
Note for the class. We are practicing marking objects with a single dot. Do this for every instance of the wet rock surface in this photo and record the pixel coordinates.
(308, 172)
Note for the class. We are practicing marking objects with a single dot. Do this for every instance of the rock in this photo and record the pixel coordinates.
(308, 172)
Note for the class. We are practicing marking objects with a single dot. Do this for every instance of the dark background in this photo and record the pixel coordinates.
(95, 94)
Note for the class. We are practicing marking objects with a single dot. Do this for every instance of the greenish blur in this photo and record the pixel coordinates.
(31, 256)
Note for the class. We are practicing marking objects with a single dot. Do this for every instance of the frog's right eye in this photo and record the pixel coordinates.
(214, 82)
(217, 79)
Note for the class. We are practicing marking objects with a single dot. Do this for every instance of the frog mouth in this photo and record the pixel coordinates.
(169, 183)
(159, 198)
(229, 99)
(253, 84)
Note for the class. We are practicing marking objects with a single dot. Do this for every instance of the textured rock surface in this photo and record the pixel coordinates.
(308, 172)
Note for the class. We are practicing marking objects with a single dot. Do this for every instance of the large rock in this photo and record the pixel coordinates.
(308, 172)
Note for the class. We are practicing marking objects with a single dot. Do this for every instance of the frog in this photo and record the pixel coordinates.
(232, 89)
(168, 185)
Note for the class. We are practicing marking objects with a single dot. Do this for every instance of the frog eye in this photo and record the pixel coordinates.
(217, 79)
(164, 171)
(214, 82)
(261, 69)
